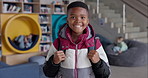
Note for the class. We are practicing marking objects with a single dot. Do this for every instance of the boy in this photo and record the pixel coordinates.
(120, 46)
(24, 41)
(74, 39)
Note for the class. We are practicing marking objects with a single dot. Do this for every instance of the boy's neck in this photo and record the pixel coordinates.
(75, 36)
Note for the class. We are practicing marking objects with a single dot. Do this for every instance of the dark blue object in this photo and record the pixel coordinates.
(104, 41)
(28, 70)
(39, 59)
(2, 64)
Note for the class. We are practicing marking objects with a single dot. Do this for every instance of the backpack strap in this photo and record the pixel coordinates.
(59, 46)
(93, 47)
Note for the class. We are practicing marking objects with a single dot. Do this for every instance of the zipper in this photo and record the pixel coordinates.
(75, 70)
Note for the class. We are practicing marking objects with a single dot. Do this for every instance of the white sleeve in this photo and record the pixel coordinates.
(51, 51)
(102, 54)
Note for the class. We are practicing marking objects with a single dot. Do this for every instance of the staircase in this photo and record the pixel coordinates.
(114, 20)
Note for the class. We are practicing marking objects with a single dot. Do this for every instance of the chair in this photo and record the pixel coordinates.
(27, 24)
(28, 70)
(136, 55)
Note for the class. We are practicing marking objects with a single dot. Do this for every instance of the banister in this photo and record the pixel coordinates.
(141, 8)
(143, 2)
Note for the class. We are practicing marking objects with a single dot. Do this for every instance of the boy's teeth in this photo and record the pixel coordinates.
(77, 26)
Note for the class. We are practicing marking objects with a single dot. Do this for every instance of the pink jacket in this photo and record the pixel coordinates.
(76, 64)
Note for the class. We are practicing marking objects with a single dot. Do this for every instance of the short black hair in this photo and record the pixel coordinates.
(120, 37)
(77, 4)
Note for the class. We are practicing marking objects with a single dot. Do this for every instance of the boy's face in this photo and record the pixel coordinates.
(120, 40)
(29, 36)
(77, 19)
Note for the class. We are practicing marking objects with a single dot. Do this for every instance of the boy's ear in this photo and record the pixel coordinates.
(88, 21)
(67, 21)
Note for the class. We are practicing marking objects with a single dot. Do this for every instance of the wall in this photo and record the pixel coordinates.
(114, 4)
(138, 19)
(131, 14)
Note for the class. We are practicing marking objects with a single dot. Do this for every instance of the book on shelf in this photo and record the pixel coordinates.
(18, 9)
(45, 38)
(59, 9)
(11, 8)
(13, 0)
(44, 19)
(44, 47)
(28, 9)
(5, 7)
(44, 29)
(28, 1)
(48, 28)
(45, 10)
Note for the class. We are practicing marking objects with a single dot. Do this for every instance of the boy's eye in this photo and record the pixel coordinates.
(73, 17)
(82, 17)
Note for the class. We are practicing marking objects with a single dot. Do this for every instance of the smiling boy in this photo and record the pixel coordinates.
(73, 59)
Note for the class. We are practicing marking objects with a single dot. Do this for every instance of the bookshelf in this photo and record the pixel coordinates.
(59, 9)
(11, 7)
(45, 16)
(19, 6)
(44, 9)
(31, 7)
(46, 27)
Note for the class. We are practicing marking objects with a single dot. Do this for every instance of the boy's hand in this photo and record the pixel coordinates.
(25, 40)
(94, 56)
(58, 57)
(120, 51)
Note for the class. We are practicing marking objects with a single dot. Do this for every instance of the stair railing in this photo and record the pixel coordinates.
(124, 16)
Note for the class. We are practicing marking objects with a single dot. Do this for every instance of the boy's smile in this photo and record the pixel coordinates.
(78, 19)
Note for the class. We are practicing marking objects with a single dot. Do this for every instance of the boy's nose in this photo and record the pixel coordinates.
(78, 20)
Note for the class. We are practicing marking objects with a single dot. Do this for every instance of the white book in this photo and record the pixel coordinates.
(13, 8)
(41, 47)
(18, 9)
(46, 29)
(5, 7)
(49, 10)
(25, 0)
(9, 9)
(41, 19)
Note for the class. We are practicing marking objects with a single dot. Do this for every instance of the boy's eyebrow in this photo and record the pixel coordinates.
(72, 14)
(80, 14)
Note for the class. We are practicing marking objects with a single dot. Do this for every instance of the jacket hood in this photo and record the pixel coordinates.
(65, 40)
